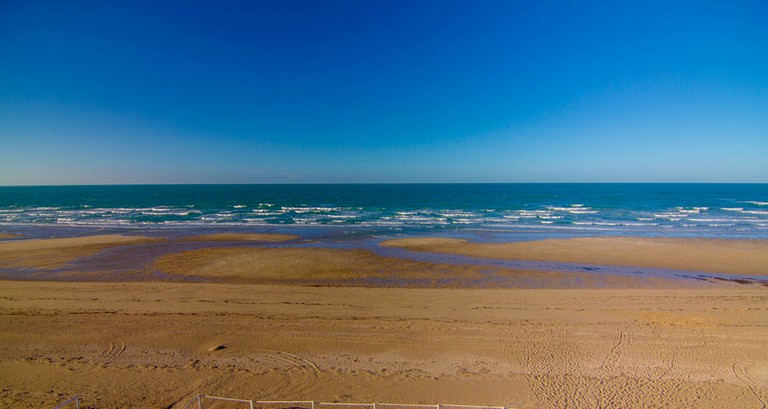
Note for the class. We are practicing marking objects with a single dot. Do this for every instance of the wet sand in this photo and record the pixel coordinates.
(265, 237)
(313, 323)
(52, 253)
(738, 257)
(358, 267)
(214, 259)
(56, 252)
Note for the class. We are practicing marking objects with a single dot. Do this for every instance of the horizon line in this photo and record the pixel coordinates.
(388, 183)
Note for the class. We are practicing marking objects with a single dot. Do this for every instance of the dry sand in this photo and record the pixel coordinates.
(154, 345)
(740, 257)
(283, 323)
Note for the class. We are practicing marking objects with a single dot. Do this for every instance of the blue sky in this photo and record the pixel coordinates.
(383, 91)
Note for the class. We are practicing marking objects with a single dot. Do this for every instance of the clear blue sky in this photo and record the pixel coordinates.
(382, 91)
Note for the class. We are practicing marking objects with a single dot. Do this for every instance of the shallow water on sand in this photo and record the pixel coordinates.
(136, 262)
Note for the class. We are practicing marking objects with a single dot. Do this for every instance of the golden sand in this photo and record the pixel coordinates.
(740, 257)
(156, 344)
(357, 267)
(297, 323)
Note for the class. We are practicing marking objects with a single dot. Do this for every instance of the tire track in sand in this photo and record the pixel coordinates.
(301, 380)
(610, 391)
(741, 370)
(113, 351)
(295, 360)
(623, 339)
(672, 360)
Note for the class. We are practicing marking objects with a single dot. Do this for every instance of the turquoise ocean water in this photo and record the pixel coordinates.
(707, 210)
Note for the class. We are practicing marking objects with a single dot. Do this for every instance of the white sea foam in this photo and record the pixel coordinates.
(414, 218)
(533, 214)
(575, 209)
(597, 223)
(667, 216)
(493, 220)
(566, 216)
(306, 209)
(383, 223)
(714, 219)
(267, 212)
(458, 214)
(693, 210)
(187, 213)
(218, 216)
(296, 209)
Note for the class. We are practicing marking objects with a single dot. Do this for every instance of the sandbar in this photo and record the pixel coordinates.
(51, 253)
(360, 267)
(736, 257)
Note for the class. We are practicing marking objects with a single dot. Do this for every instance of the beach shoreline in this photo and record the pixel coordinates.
(747, 257)
(274, 258)
(152, 320)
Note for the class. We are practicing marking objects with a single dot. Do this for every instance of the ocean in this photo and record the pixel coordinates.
(700, 210)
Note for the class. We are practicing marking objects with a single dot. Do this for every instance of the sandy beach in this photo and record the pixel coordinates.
(357, 204)
(52, 253)
(295, 323)
(157, 344)
(738, 257)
